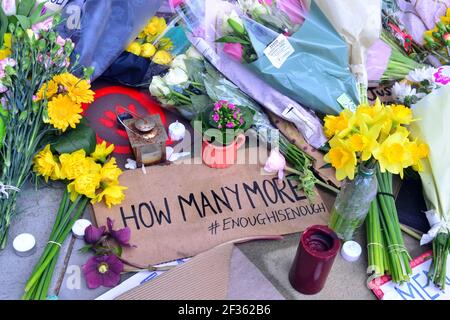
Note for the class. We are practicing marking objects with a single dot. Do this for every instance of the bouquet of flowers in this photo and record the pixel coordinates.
(89, 176)
(297, 56)
(437, 40)
(152, 44)
(192, 85)
(374, 138)
(433, 110)
(38, 95)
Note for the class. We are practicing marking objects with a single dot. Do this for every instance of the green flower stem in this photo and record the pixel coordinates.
(317, 181)
(39, 282)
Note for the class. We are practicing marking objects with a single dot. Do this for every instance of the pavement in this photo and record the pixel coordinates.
(37, 210)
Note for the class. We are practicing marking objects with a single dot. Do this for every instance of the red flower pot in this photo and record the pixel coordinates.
(221, 157)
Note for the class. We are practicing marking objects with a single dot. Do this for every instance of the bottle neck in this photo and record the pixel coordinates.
(365, 171)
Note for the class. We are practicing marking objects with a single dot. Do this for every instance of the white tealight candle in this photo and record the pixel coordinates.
(79, 227)
(177, 131)
(24, 244)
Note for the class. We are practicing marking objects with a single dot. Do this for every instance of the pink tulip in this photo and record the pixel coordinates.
(276, 163)
(234, 50)
(175, 3)
(269, 2)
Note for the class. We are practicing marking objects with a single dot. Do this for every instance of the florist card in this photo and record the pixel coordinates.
(181, 210)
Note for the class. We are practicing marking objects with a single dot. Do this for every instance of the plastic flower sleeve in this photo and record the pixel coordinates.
(202, 24)
(433, 112)
(106, 28)
(359, 23)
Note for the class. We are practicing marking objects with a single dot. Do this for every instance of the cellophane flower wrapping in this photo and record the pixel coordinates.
(433, 113)
(203, 21)
(106, 28)
(359, 23)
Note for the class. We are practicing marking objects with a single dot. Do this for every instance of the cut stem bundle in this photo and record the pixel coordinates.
(40, 280)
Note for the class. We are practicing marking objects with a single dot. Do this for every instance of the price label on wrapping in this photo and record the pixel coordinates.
(279, 51)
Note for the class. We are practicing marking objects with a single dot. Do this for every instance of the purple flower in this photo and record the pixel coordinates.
(92, 234)
(122, 236)
(235, 115)
(219, 126)
(230, 125)
(241, 121)
(217, 106)
(102, 271)
(231, 106)
(216, 117)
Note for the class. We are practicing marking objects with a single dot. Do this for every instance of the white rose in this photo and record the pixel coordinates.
(176, 77)
(178, 62)
(158, 88)
(192, 53)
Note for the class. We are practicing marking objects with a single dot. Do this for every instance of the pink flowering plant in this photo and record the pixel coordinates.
(224, 121)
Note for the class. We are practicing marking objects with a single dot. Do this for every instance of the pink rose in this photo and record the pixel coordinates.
(234, 50)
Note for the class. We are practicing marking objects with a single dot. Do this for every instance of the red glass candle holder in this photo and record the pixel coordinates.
(318, 247)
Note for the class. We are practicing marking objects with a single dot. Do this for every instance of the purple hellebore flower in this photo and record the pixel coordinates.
(231, 106)
(92, 234)
(216, 117)
(102, 271)
(235, 115)
(122, 236)
(241, 121)
(230, 125)
(217, 106)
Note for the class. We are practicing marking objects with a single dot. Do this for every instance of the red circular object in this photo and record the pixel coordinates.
(142, 99)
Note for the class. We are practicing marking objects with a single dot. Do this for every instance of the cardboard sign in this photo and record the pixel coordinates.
(417, 288)
(181, 210)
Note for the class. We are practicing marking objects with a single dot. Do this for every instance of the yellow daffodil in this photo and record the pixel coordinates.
(76, 164)
(337, 124)
(134, 48)
(401, 114)
(162, 57)
(112, 194)
(370, 114)
(446, 19)
(110, 172)
(5, 52)
(63, 112)
(46, 164)
(48, 89)
(419, 151)
(342, 158)
(102, 151)
(147, 50)
(86, 184)
(393, 154)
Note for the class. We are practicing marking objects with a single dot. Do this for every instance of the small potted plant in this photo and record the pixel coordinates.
(222, 129)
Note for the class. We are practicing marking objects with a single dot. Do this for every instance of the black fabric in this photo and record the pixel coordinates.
(132, 70)
(411, 205)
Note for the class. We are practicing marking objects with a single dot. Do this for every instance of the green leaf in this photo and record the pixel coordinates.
(85, 249)
(24, 22)
(237, 27)
(25, 6)
(3, 25)
(117, 251)
(232, 39)
(36, 15)
(82, 137)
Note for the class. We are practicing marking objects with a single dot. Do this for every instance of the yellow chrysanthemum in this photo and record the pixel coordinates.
(76, 164)
(102, 151)
(46, 164)
(113, 195)
(86, 184)
(419, 151)
(81, 92)
(5, 52)
(110, 173)
(337, 124)
(393, 154)
(401, 114)
(162, 57)
(66, 79)
(63, 112)
(342, 158)
(49, 89)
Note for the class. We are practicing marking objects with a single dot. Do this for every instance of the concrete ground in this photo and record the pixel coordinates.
(37, 209)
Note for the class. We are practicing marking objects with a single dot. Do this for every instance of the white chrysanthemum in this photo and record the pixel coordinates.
(401, 90)
(421, 74)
